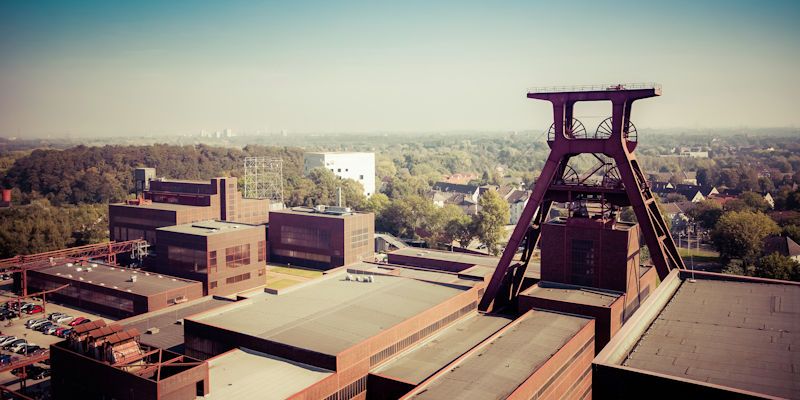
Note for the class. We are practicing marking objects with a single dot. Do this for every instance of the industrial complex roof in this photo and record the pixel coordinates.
(208, 228)
(117, 278)
(504, 363)
(244, 374)
(465, 258)
(158, 206)
(573, 294)
(170, 331)
(742, 335)
(332, 314)
(443, 348)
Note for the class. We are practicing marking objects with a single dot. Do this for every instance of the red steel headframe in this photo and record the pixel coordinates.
(564, 145)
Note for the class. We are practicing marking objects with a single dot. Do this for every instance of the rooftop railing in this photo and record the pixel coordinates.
(595, 88)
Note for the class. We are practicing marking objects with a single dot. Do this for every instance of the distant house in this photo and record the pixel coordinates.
(770, 200)
(782, 245)
(696, 193)
(471, 191)
(517, 199)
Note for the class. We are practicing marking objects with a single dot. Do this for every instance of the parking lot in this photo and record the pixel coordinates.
(17, 328)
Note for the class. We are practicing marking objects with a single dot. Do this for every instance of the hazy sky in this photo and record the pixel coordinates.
(133, 67)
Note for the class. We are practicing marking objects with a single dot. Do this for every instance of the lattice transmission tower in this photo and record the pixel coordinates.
(263, 178)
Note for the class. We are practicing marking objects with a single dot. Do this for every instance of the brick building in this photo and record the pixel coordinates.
(227, 257)
(175, 202)
(323, 237)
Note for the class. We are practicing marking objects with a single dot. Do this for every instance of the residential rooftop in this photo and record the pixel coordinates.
(209, 228)
(332, 313)
(245, 374)
(504, 363)
(435, 353)
(738, 334)
(118, 278)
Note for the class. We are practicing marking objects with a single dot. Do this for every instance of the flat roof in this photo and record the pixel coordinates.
(248, 374)
(451, 256)
(437, 352)
(158, 206)
(332, 314)
(209, 228)
(573, 294)
(421, 274)
(312, 212)
(742, 335)
(117, 278)
(170, 332)
(501, 365)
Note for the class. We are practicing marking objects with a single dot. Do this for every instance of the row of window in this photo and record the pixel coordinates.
(350, 391)
(359, 238)
(187, 259)
(422, 333)
(234, 279)
(303, 255)
(237, 278)
(83, 296)
(237, 256)
(306, 237)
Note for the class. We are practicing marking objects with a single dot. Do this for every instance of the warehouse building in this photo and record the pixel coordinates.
(112, 290)
(710, 336)
(343, 324)
(227, 257)
(321, 237)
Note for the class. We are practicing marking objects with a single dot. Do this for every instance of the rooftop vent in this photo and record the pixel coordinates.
(152, 331)
(93, 265)
(79, 269)
(70, 264)
(133, 279)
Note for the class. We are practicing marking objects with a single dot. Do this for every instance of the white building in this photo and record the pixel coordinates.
(359, 167)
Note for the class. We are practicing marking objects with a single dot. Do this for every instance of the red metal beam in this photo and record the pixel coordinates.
(663, 251)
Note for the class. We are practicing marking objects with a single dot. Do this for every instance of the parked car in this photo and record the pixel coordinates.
(53, 316)
(39, 323)
(59, 330)
(26, 306)
(27, 349)
(50, 329)
(77, 321)
(30, 322)
(41, 373)
(64, 319)
(34, 310)
(7, 340)
(64, 333)
(85, 320)
(7, 358)
(14, 344)
(42, 327)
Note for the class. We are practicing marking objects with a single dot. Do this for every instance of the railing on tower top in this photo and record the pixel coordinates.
(595, 88)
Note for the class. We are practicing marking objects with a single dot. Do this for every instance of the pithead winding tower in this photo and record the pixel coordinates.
(616, 181)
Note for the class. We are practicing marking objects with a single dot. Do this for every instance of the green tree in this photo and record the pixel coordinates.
(793, 232)
(491, 220)
(377, 203)
(741, 235)
(776, 266)
(706, 213)
(754, 201)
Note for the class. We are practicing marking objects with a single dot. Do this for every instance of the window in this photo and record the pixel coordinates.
(212, 285)
(338, 170)
(261, 272)
(303, 255)
(262, 250)
(237, 278)
(212, 260)
(359, 238)
(306, 237)
(186, 259)
(361, 177)
(237, 256)
(582, 262)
